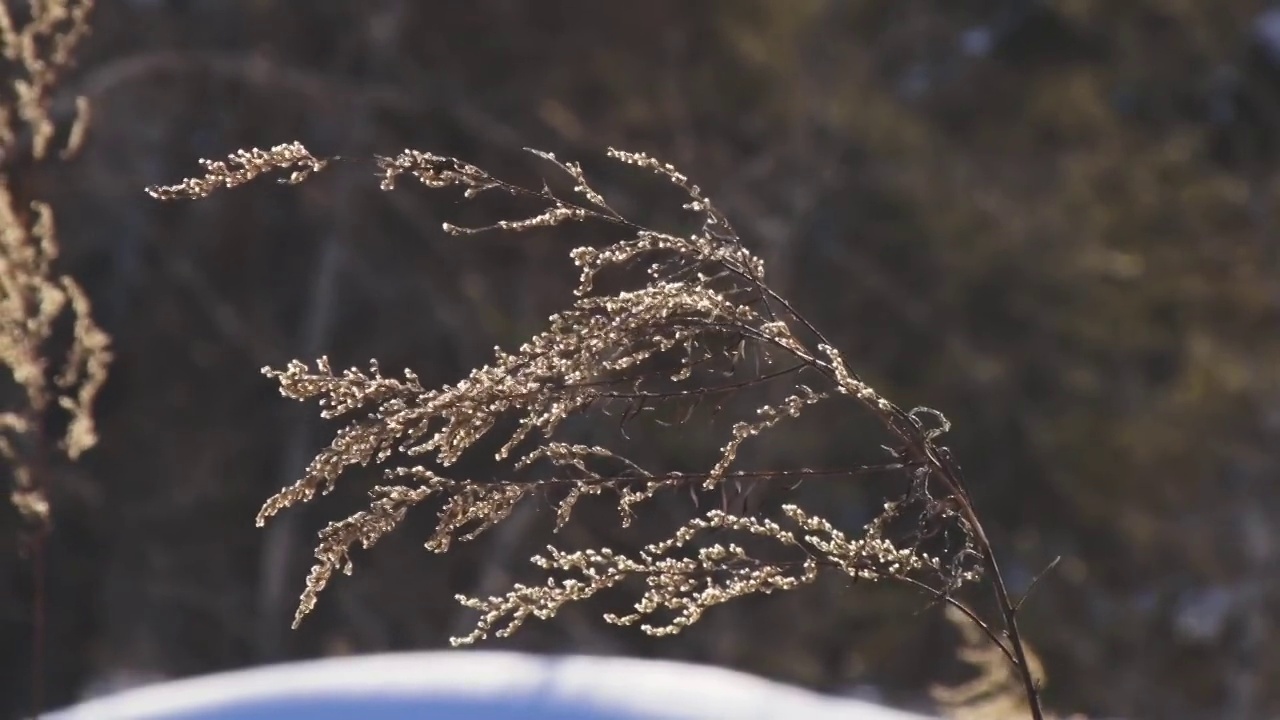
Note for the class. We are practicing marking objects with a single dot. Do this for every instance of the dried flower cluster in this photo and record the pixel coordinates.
(38, 52)
(243, 166)
(686, 587)
(676, 335)
(33, 297)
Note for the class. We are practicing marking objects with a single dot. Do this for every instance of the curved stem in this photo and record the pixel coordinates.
(1008, 610)
(971, 615)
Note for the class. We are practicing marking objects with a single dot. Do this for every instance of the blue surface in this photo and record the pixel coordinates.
(349, 708)
(475, 685)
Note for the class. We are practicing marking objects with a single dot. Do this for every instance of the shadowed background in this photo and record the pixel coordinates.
(1054, 221)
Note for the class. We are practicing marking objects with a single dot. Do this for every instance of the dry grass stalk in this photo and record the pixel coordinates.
(34, 298)
(701, 306)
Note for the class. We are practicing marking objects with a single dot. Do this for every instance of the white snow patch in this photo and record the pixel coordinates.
(489, 684)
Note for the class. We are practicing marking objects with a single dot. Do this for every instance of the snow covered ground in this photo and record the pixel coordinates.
(475, 686)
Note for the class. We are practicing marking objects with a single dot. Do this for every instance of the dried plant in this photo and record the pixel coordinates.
(52, 375)
(34, 298)
(995, 692)
(691, 309)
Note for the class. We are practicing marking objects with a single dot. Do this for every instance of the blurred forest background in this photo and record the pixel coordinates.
(1054, 220)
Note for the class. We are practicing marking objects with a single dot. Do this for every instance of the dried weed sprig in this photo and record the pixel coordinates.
(701, 306)
(33, 297)
(681, 588)
(242, 166)
(40, 50)
(995, 691)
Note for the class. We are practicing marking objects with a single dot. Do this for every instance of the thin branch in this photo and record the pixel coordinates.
(1018, 606)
